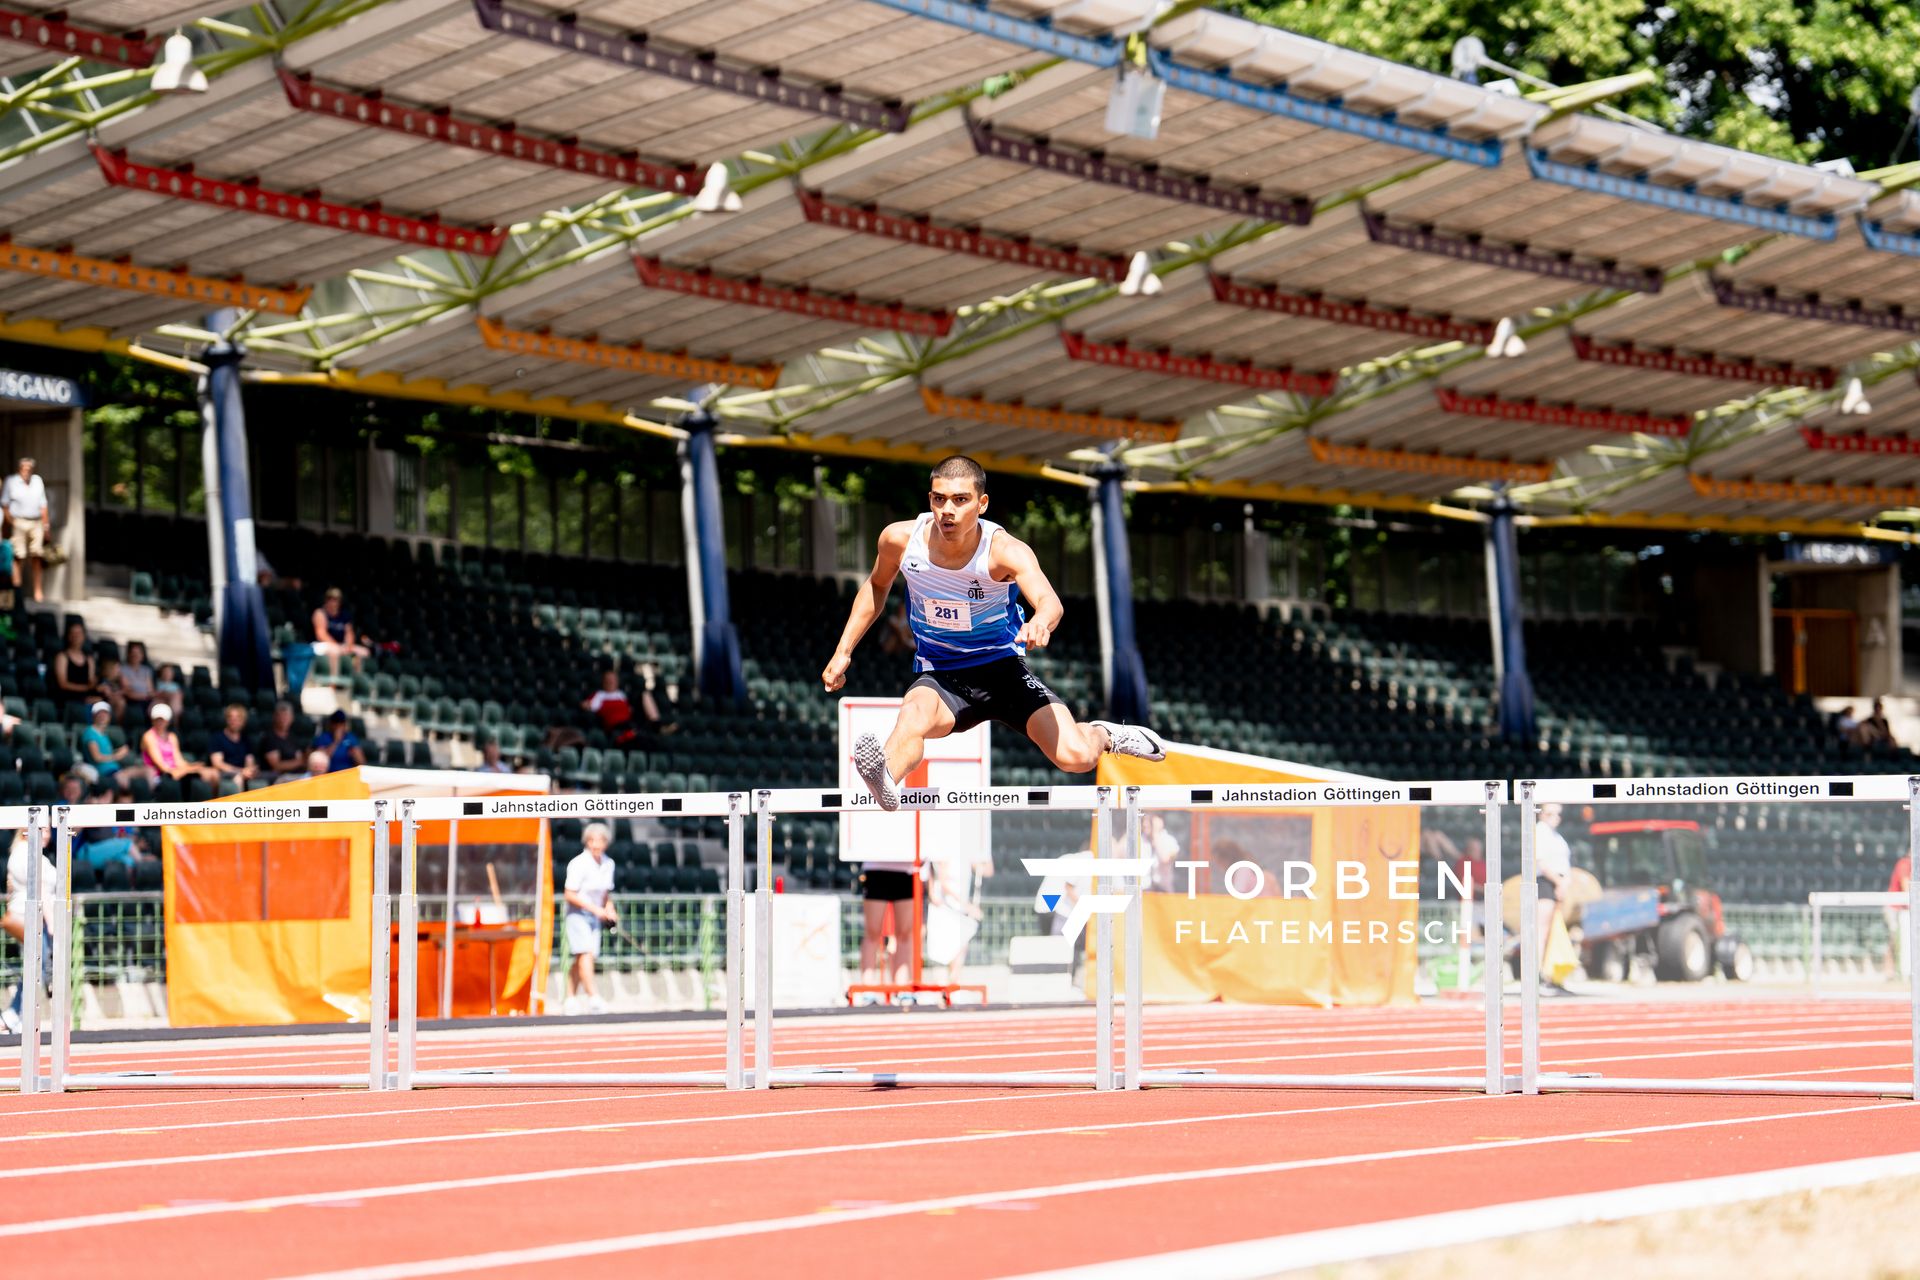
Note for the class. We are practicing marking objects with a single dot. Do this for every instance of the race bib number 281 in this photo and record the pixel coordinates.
(950, 615)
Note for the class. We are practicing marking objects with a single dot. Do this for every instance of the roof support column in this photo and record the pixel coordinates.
(1516, 716)
(716, 646)
(1124, 675)
(243, 613)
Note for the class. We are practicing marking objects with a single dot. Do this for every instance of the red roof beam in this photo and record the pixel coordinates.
(1729, 368)
(123, 49)
(248, 197)
(977, 244)
(1563, 415)
(1205, 368)
(655, 274)
(431, 124)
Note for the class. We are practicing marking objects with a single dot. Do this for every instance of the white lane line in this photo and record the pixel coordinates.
(506, 1258)
(97, 1220)
(324, 1117)
(1256, 1259)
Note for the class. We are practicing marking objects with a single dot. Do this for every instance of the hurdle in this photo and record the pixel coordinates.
(729, 805)
(66, 819)
(1823, 789)
(1487, 795)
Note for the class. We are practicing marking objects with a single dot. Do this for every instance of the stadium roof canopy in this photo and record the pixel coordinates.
(1312, 283)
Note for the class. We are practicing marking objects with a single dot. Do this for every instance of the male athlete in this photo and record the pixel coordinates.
(963, 574)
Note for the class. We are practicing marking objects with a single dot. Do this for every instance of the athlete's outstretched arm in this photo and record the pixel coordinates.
(868, 601)
(1014, 557)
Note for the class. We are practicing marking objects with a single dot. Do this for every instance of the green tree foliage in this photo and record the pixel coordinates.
(1805, 81)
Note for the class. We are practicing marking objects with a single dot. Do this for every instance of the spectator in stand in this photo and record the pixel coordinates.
(75, 678)
(896, 634)
(110, 764)
(160, 751)
(490, 761)
(19, 864)
(318, 764)
(29, 518)
(1844, 724)
(279, 756)
(333, 631)
(1897, 958)
(609, 704)
(232, 760)
(589, 889)
(659, 710)
(136, 683)
(167, 688)
(340, 743)
(97, 847)
(1876, 730)
(108, 690)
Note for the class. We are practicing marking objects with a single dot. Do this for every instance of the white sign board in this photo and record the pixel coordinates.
(806, 949)
(959, 761)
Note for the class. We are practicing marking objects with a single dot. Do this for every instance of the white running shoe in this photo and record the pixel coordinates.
(572, 1005)
(1133, 740)
(10, 1020)
(596, 1005)
(870, 761)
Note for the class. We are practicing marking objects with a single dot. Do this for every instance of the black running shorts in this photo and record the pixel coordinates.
(1003, 690)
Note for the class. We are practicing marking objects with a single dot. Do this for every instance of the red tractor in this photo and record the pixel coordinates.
(1656, 907)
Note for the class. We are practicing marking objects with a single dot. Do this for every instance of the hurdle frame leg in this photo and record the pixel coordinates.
(1913, 933)
(30, 962)
(409, 1013)
(1494, 979)
(61, 1011)
(1135, 929)
(382, 953)
(763, 949)
(1529, 946)
(1102, 960)
(734, 941)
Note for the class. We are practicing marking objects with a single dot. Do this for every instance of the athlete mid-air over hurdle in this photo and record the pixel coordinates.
(963, 573)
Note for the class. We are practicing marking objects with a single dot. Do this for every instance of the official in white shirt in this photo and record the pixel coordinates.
(589, 911)
(24, 498)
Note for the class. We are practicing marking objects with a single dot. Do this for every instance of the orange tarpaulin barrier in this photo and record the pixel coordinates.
(271, 924)
(1268, 949)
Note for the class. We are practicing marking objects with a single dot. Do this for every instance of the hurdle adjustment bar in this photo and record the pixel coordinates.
(1913, 933)
(382, 943)
(62, 1035)
(1492, 933)
(30, 1079)
(1529, 944)
(403, 1078)
(1135, 925)
(735, 942)
(763, 950)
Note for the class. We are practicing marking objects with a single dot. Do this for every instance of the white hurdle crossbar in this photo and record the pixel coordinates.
(1486, 795)
(1824, 789)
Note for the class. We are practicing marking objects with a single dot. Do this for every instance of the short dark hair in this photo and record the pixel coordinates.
(961, 467)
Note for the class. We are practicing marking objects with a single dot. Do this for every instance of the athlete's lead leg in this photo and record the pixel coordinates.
(922, 716)
(1077, 747)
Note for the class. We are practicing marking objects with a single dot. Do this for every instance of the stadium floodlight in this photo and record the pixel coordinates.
(1133, 104)
(1140, 277)
(176, 72)
(1854, 402)
(1507, 344)
(1469, 55)
(716, 193)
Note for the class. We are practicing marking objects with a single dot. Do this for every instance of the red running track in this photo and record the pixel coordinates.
(973, 1182)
